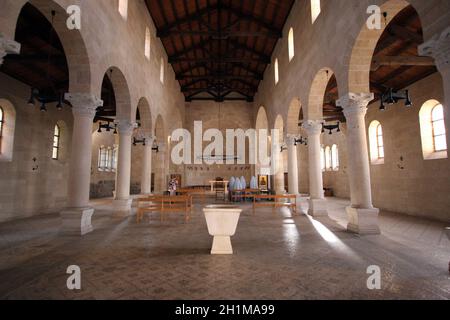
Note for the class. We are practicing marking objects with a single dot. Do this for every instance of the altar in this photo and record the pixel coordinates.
(214, 182)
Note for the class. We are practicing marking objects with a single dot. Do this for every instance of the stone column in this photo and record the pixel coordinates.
(292, 164)
(317, 202)
(8, 47)
(76, 218)
(439, 48)
(146, 180)
(122, 202)
(363, 217)
(277, 165)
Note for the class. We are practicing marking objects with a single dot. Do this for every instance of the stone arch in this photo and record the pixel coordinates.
(293, 117)
(145, 115)
(364, 48)
(121, 92)
(262, 121)
(317, 94)
(75, 50)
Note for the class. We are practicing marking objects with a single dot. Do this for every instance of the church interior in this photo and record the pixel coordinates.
(224, 149)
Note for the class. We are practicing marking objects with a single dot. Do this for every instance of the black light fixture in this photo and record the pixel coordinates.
(107, 126)
(331, 128)
(301, 141)
(139, 141)
(51, 95)
(392, 96)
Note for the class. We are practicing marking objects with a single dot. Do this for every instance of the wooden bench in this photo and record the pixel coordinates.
(194, 192)
(164, 204)
(243, 194)
(277, 201)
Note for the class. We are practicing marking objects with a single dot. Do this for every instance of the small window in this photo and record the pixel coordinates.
(103, 159)
(438, 126)
(315, 9)
(147, 43)
(123, 8)
(2, 120)
(328, 164)
(56, 140)
(335, 157)
(376, 142)
(432, 130)
(113, 158)
(380, 143)
(291, 44)
(161, 74)
(276, 71)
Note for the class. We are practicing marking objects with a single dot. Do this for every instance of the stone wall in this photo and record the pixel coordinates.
(28, 187)
(226, 115)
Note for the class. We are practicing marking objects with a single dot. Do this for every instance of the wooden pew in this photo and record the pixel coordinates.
(194, 192)
(163, 205)
(278, 201)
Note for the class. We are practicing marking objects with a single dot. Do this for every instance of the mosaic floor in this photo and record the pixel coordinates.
(277, 256)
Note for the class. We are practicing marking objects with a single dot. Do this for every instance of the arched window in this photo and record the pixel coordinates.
(322, 158)
(315, 9)
(432, 130)
(103, 159)
(2, 120)
(335, 157)
(56, 141)
(123, 8)
(147, 43)
(328, 158)
(376, 142)
(276, 71)
(291, 44)
(438, 125)
(161, 74)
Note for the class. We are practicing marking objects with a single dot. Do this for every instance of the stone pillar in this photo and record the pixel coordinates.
(439, 48)
(277, 165)
(363, 217)
(8, 47)
(122, 202)
(146, 179)
(292, 164)
(76, 218)
(317, 202)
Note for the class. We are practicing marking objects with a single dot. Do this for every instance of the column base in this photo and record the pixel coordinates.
(222, 245)
(77, 221)
(122, 208)
(363, 221)
(318, 208)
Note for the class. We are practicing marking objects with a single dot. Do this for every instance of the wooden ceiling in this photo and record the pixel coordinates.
(219, 49)
(396, 63)
(42, 62)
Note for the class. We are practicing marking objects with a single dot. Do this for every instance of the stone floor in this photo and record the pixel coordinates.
(277, 256)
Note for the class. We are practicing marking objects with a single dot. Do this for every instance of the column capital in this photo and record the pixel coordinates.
(355, 103)
(83, 104)
(438, 48)
(126, 127)
(290, 139)
(8, 47)
(313, 127)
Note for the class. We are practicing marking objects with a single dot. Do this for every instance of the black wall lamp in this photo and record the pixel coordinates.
(301, 141)
(144, 143)
(393, 96)
(106, 127)
(331, 127)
